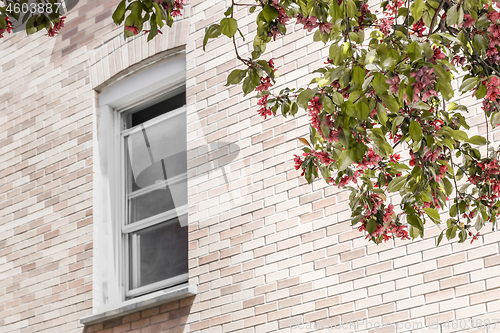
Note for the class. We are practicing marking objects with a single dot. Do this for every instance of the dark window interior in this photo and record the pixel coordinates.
(158, 109)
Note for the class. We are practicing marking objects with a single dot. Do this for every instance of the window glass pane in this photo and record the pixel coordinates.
(157, 166)
(158, 253)
(156, 110)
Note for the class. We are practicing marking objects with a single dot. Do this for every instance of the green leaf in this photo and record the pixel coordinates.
(462, 235)
(270, 13)
(440, 238)
(344, 160)
(447, 186)
(453, 210)
(414, 51)
(451, 232)
(236, 76)
(229, 11)
(415, 221)
(30, 25)
(481, 92)
(468, 84)
(379, 83)
(414, 232)
(391, 103)
(396, 184)
(119, 13)
(337, 98)
(327, 104)
(382, 114)
(228, 26)
(294, 109)
(358, 76)
(452, 15)
(495, 117)
(477, 140)
(417, 9)
(371, 226)
(251, 82)
(460, 135)
(356, 220)
(304, 98)
(433, 214)
(212, 31)
(154, 28)
(415, 131)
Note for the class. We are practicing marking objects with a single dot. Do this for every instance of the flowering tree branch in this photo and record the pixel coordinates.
(385, 84)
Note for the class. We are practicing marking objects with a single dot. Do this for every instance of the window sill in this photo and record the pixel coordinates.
(142, 303)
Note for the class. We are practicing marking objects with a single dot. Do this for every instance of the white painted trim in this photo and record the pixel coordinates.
(110, 273)
(142, 303)
(154, 220)
(154, 121)
(158, 285)
(160, 185)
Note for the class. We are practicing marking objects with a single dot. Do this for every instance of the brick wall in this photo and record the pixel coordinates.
(266, 249)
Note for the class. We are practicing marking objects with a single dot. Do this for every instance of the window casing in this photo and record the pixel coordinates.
(124, 106)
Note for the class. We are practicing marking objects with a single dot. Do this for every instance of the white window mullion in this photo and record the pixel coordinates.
(166, 217)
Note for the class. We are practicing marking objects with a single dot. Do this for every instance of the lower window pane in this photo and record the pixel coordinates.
(158, 253)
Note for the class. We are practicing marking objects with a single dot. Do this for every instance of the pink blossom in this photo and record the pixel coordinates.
(393, 84)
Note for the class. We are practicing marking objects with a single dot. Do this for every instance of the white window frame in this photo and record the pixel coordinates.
(163, 218)
(141, 87)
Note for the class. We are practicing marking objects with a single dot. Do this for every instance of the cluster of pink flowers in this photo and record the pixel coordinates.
(311, 22)
(429, 156)
(492, 92)
(56, 27)
(489, 175)
(393, 84)
(323, 157)
(176, 9)
(264, 111)
(419, 28)
(493, 37)
(385, 23)
(434, 202)
(265, 84)
(468, 21)
(386, 228)
(298, 163)
(438, 55)
(336, 84)
(361, 19)
(314, 109)
(458, 60)
(424, 82)
(132, 29)
(9, 27)
(283, 18)
(369, 160)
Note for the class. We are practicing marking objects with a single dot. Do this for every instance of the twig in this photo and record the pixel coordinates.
(456, 186)
(434, 18)
(246, 62)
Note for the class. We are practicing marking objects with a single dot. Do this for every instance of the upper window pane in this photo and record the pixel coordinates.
(157, 161)
(172, 103)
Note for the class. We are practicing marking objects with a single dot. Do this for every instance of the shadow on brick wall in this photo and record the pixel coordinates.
(169, 317)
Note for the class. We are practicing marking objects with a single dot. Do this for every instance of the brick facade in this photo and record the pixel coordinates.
(266, 249)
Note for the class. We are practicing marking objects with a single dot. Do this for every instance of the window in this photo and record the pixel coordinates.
(154, 144)
(140, 189)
